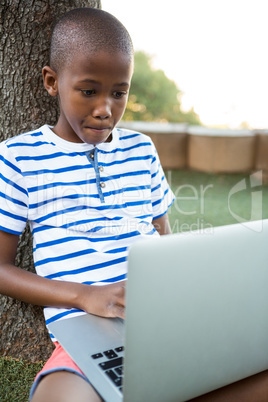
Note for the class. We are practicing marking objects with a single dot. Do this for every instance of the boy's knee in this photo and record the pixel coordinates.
(63, 386)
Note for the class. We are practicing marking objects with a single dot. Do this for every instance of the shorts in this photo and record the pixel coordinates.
(58, 361)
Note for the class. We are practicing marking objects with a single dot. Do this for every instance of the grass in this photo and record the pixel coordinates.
(202, 201)
(207, 200)
(16, 377)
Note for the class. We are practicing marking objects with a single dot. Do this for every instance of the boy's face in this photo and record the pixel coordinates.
(93, 94)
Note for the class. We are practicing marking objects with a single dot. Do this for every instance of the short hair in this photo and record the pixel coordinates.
(87, 30)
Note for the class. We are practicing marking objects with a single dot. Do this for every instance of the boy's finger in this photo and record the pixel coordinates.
(120, 312)
(116, 310)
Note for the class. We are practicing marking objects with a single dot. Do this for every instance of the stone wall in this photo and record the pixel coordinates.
(206, 149)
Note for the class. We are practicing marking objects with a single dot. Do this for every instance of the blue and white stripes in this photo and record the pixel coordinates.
(85, 205)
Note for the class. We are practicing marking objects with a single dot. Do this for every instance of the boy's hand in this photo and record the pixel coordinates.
(105, 301)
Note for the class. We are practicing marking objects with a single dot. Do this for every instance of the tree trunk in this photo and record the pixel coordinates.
(25, 105)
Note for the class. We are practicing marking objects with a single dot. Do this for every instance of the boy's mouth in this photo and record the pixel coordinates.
(98, 129)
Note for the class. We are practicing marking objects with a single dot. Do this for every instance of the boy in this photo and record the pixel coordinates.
(88, 190)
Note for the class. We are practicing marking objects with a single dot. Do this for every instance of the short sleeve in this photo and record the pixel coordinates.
(162, 195)
(13, 193)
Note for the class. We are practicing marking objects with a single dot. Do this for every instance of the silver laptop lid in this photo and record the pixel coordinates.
(196, 312)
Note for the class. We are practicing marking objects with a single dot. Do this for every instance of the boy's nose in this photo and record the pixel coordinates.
(102, 110)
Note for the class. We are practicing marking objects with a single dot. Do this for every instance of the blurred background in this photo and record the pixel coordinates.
(215, 52)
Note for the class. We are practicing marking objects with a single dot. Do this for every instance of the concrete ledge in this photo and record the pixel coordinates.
(206, 149)
(218, 132)
(221, 150)
(221, 154)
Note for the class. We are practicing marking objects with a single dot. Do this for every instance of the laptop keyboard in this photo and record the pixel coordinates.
(112, 365)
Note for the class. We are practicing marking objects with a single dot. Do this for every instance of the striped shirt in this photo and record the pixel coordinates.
(85, 205)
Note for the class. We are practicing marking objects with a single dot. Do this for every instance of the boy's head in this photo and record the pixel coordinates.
(91, 65)
(87, 30)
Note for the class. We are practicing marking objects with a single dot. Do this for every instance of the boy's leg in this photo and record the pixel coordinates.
(64, 386)
(251, 389)
(61, 380)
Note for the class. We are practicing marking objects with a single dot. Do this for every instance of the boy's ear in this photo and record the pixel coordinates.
(50, 80)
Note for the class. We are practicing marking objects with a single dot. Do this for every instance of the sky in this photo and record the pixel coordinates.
(215, 50)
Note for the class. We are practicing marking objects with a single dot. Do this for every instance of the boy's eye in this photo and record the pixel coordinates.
(88, 92)
(119, 94)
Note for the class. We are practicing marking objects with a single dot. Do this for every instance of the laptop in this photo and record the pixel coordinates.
(196, 318)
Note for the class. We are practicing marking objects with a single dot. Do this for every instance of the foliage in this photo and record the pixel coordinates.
(154, 97)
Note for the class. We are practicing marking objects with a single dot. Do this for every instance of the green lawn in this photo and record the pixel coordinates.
(206, 200)
(202, 201)
(16, 377)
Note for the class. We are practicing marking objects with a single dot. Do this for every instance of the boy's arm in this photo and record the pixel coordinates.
(106, 301)
(162, 225)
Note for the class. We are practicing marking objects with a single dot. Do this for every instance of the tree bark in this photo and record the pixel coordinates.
(25, 27)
